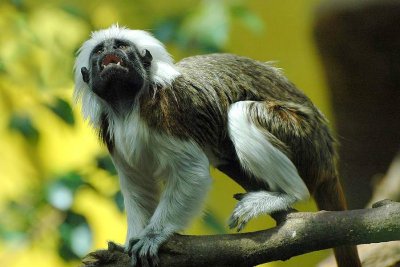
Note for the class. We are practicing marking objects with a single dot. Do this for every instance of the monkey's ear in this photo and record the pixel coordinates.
(85, 74)
(146, 58)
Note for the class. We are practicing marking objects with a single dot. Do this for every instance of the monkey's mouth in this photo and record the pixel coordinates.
(112, 61)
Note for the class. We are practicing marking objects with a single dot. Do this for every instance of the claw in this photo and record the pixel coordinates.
(145, 249)
(156, 260)
(144, 261)
(115, 247)
(233, 222)
(134, 260)
(242, 213)
(241, 226)
(132, 242)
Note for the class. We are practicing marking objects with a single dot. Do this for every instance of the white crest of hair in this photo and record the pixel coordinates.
(259, 157)
(162, 71)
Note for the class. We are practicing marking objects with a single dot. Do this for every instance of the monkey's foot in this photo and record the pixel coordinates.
(145, 249)
(253, 204)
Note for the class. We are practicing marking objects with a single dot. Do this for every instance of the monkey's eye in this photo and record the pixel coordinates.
(99, 50)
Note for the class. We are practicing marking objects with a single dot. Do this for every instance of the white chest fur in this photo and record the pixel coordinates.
(143, 148)
(131, 137)
(142, 157)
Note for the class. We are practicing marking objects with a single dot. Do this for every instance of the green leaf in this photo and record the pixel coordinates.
(213, 223)
(248, 18)
(166, 29)
(63, 110)
(119, 201)
(104, 162)
(3, 68)
(65, 251)
(24, 125)
(71, 179)
(18, 3)
(207, 28)
(75, 237)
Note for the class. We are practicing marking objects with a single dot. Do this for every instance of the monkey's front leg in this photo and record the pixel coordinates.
(140, 192)
(187, 182)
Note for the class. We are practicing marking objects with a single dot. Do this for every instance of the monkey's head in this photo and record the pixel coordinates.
(117, 70)
(114, 66)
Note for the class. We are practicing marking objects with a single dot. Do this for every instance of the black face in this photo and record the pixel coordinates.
(117, 71)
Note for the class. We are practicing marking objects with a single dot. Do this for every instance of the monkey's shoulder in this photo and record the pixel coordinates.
(238, 77)
(186, 109)
(220, 62)
(196, 103)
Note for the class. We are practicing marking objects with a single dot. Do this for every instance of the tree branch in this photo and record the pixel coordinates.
(299, 233)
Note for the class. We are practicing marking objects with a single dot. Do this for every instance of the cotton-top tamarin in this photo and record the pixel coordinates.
(168, 122)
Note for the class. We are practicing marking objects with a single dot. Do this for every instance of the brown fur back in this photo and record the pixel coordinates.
(197, 104)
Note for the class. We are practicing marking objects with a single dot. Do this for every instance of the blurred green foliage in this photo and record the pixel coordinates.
(24, 126)
(63, 110)
(55, 176)
(204, 29)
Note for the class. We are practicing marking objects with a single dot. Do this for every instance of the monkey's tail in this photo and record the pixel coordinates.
(329, 196)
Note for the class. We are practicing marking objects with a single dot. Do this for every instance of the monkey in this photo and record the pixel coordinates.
(164, 124)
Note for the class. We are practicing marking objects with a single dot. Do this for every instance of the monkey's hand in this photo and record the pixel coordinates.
(145, 248)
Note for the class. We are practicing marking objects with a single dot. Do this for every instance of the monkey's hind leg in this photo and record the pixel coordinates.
(258, 153)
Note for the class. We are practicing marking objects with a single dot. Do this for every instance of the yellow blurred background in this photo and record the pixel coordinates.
(55, 182)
